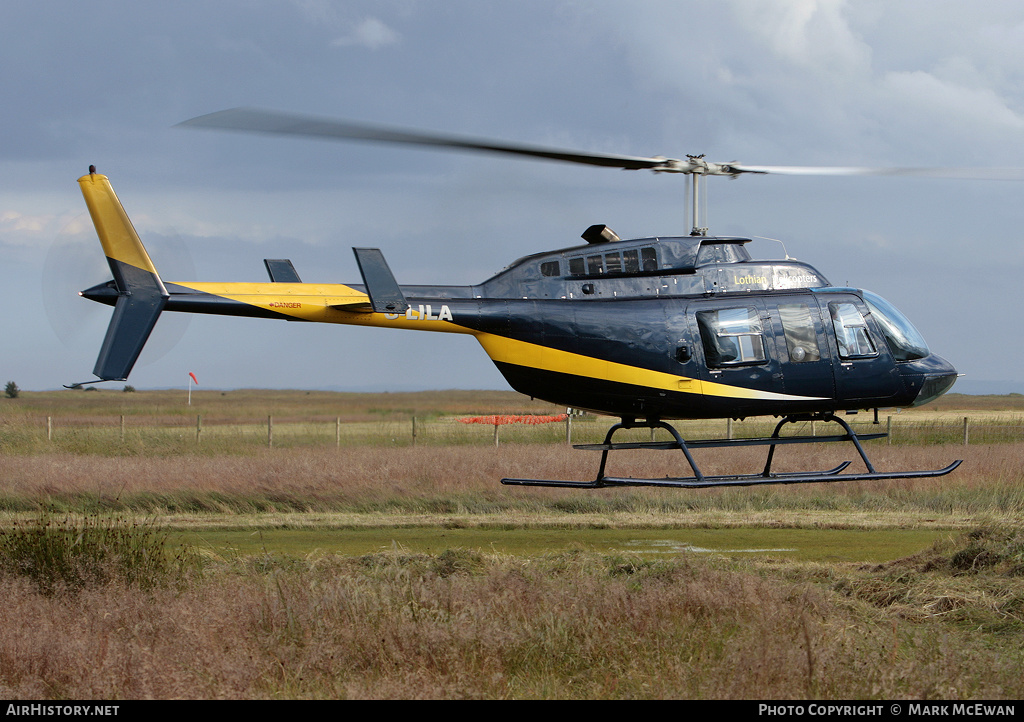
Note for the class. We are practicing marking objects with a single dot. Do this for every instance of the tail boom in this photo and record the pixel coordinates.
(139, 295)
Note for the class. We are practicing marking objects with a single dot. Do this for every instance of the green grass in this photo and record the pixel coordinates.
(148, 423)
(258, 403)
(878, 545)
(71, 553)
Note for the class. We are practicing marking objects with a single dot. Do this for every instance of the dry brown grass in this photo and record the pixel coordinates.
(1010, 403)
(465, 626)
(446, 479)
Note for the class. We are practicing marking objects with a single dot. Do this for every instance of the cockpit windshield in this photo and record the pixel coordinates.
(905, 341)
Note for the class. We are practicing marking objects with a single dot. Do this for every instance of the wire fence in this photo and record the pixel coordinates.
(100, 433)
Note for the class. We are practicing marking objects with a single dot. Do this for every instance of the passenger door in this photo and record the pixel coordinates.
(864, 368)
(738, 349)
(804, 353)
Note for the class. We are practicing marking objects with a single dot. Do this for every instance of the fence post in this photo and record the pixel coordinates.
(495, 436)
(414, 431)
(888, 430)
(270, 431)
(728, 428)
(49, 428)
(966, 432)
(122, 427)
(337, 432)
(568, 429)
(199, 426)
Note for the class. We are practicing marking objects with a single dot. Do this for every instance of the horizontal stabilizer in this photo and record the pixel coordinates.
(281, 270)
(354, 307)
(385, 294)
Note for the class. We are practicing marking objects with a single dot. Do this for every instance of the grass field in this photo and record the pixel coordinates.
(237, 422)
(375, 568)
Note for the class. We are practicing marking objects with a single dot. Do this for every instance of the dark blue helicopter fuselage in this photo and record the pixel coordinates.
(701, 331)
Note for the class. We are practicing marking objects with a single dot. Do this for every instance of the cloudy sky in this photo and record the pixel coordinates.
(765, 82)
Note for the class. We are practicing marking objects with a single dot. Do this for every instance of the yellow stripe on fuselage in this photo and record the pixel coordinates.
(544, 358)
(327, 302)
(315, 302)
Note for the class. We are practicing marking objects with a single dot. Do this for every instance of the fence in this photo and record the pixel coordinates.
(99, 433)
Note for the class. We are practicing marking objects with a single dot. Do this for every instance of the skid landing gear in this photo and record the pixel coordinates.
(699, 480)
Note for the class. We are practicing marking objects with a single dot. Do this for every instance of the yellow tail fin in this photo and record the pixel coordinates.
(118, 236)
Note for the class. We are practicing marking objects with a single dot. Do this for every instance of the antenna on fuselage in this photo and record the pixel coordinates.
(776, 240)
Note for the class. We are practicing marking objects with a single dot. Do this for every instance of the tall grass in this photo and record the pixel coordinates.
(464, 481)
(946, 623)
(571, 626)
(71, 553)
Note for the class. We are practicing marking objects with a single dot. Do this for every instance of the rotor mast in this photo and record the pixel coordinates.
(696, 167)
(695, 188)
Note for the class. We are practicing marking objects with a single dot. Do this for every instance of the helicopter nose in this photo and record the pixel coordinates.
(931, 376)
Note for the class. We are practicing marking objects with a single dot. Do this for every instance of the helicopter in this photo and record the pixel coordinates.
(649, 330)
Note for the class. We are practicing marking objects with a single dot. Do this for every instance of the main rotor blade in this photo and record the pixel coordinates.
(255, 120)
(955, 173)
(267, 121)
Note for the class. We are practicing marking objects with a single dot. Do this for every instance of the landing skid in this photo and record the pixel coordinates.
(700, 480)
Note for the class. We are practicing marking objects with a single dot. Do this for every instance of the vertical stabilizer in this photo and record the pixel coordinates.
(385, 294)
(141, 293)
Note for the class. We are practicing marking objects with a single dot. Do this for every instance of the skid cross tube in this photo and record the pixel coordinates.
(766, 476)
(850, 436)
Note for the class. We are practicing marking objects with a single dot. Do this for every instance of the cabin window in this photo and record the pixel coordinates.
(851, 331)
(629, 261)
(801, 339)
(722, 253)
(734, 253)
(550, 268)
(731, 337)
(635, 260)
